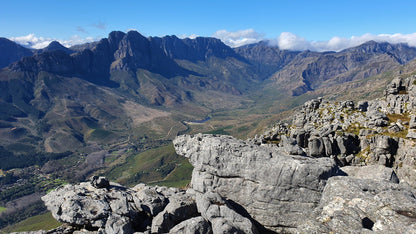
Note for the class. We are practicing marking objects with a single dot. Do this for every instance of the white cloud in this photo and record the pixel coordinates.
(32, 41)
(238, 38)
(192, 36)
(290, 41)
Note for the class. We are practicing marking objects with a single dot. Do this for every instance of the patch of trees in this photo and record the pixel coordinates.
(9, 178)
(32, 210)
(10, 160)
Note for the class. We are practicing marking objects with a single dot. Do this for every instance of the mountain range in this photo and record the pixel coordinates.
(120, 82)
(66, 113)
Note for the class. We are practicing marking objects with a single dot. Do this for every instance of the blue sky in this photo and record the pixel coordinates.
(307, 22)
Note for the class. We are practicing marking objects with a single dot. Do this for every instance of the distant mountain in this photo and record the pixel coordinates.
(267, 59)
(55, 46)
(187, 76)
(59, 97)
(11, 52)
(309, 71)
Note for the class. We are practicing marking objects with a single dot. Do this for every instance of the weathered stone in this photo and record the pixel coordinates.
(148, 199)
(330, 149)
(223, 218)
(260, 179)
(351, 205)
(118, 224)
(394, 128)
(374, 172)
(412, 122)
(78, 205)
(316, 147)
(405, 162)
(180, 208)
(192, 226)
(411, 134)
(290, 147)
(348, 144)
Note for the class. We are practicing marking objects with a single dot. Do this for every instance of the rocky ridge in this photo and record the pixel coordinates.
(339, 167)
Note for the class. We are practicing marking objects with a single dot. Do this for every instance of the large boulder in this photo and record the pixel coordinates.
(275, 189)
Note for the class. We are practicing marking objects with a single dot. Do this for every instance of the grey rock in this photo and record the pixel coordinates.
(223, 218)
(405, 162)
(394, 87)
(351, 205)
(117, 209)
(412, 122)
(192, 226)
(382, 148)
(367, 132)
(348, 144)
(149, 199)
(118, 224)
(301, 137)
(374, 172)
(394, 128)
(290, 146)
(78, 205)
(411, 134)
(316, 147)
(261, 179)
(180, 208)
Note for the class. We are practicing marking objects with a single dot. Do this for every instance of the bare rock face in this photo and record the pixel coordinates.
(352, 205)
(275, 189)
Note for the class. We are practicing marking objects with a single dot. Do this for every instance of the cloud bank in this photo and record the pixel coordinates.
(238, 38)
(285, 41)
(290, 41)
(32, 41)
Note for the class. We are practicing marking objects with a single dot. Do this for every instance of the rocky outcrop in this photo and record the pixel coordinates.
(379, 131)
(352, 205)
(110, 208)
(275, 189)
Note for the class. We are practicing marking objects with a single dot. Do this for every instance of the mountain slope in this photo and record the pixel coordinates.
(11, 52)
(310, 70)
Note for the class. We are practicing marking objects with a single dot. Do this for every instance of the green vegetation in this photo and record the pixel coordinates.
(220, 131)
(10, 160)
(29, 211)
(354, 128)
(2, 209)
(363, 154)
(393, 118)
(179, 177)
(153, 166)
(38, 222)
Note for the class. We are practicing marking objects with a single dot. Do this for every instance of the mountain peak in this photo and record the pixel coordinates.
(55, 45)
